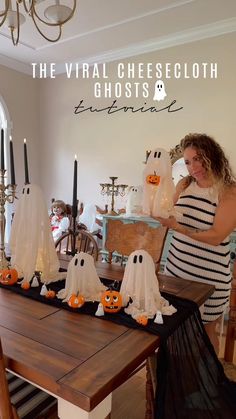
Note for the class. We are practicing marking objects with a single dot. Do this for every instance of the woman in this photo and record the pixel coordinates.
(205, 216)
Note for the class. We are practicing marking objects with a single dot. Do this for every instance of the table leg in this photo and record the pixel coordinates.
(149, 414)
(68, 410)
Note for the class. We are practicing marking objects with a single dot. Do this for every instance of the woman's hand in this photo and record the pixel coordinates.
(168, 222)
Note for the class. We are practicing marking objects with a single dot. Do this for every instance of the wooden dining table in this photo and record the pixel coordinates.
(79, 359)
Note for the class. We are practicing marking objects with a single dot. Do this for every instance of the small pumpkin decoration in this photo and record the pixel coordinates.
(153, 179)
(8, 276)
(111, 300)
(25, 285)
(143, 320)
(50, 294)
(76, 301)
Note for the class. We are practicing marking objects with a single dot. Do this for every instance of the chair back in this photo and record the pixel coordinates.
(6, 410)
(23, 399)
(69, 244)
(85, 242)
(125, 238)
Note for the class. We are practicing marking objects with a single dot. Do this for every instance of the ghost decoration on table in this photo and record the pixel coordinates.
(134, 201)
(82, 279)
(158, 186)
(160, 92)
(100, 310)
(140, 286)
(31, 241)
(158, 318)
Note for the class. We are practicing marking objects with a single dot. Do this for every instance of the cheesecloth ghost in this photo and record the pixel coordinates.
(140, 284)
(158, 186)
(31, 241)
(82, 279)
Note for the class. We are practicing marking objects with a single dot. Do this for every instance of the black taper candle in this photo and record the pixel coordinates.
(74, 201)
(12, 166)
(26, 163)
(2, 149)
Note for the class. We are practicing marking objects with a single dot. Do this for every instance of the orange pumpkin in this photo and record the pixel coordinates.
(76, 301)
(153, 179)
(111, 301)
(143, 320)
(25, 285)
(8, 276)
(50, 294)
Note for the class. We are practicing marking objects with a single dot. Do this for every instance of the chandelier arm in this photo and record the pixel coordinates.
(4, 12)
(16, 40)
(28, 10)
(44, 36)
(3, 20)
(33, 12)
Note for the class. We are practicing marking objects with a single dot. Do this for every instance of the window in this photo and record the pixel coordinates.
(5, 123)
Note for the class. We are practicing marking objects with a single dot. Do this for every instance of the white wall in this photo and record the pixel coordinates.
(20, 94)
(115, 145)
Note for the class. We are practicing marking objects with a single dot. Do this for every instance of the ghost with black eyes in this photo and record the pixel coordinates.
(82, 279)
(160, 92)
(140, 288)
(31, 242)
(134, 201)
(158, 186)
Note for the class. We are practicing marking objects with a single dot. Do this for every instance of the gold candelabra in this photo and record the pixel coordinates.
(7, 194)
(113, 190)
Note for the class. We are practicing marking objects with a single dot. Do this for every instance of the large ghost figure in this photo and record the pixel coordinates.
(31, 241)
(82, 279)
(134, 201)
(140, 284)
(158, 186)
(88, 217)
(160, 92)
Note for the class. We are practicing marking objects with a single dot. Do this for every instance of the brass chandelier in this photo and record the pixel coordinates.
(56, 15)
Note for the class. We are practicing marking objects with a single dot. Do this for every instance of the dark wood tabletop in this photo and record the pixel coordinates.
(79, 358)
(191, 290)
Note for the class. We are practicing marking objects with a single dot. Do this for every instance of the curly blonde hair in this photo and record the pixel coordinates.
(60, 204)
(213, 157)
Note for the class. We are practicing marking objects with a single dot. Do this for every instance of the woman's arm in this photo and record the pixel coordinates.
(224, 221)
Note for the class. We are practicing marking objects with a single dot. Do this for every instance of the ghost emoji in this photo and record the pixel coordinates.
(159, 93)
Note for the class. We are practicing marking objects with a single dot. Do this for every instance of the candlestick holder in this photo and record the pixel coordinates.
(7, 194)
(112, 190)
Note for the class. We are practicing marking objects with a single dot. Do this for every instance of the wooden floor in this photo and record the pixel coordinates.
(128, 401)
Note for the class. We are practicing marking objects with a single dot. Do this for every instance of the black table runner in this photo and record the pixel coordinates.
(191, 380)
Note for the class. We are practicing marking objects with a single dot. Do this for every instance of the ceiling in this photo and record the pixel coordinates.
(106, 30)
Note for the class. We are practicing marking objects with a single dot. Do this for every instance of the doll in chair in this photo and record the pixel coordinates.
(58, 219)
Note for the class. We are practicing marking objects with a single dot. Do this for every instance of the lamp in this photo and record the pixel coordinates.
(56, 16)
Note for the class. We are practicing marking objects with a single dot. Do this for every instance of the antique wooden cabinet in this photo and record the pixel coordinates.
(153, 223)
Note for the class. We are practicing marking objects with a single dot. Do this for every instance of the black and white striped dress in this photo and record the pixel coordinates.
(194, 260)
